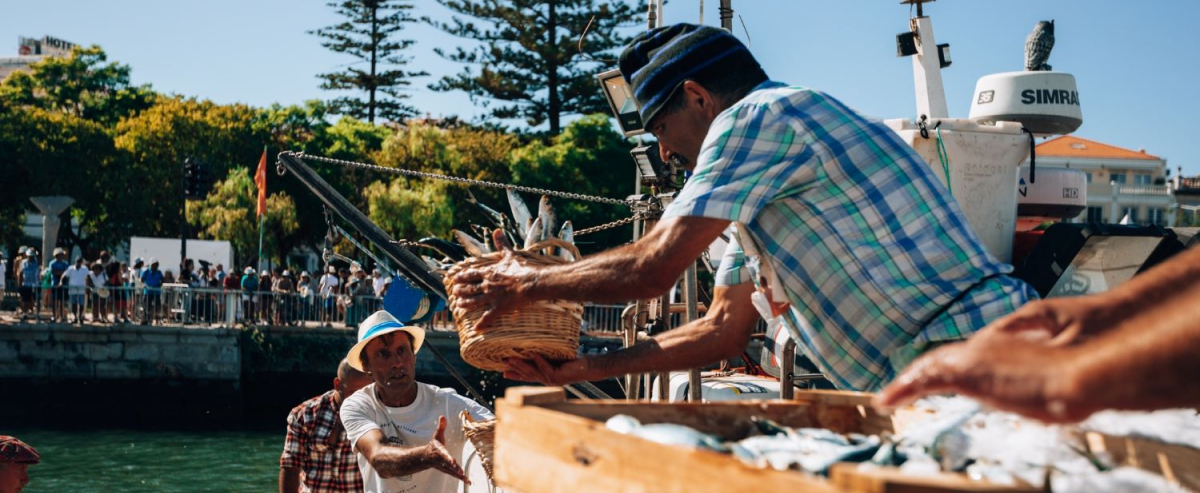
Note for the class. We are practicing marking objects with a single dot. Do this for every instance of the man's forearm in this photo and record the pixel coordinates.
(289, 480)
(1164, 282)
(392, 461)
(702, 342)
(644, 269)
(1149, 360)
(617, 275)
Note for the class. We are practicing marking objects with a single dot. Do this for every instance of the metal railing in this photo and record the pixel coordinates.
(180, 304)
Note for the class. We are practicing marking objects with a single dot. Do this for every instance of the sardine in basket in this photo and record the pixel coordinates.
(546, 328)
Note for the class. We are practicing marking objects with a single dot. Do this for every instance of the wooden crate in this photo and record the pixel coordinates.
(546, 444)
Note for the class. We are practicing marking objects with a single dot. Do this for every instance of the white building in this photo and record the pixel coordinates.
(30, 50)
(1121, 182)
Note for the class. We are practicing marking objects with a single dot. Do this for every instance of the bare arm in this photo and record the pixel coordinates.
(289, 480)
(721, 334)
(1065, 358)
(392, 461)
(640, 270)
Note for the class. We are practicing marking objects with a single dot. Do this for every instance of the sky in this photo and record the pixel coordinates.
(1134, 62)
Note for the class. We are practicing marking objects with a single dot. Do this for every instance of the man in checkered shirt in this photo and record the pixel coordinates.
(844, 238)
(317, 457)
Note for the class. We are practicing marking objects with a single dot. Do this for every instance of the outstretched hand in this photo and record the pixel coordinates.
(538, 369)
(1011, 370)
(497, 288)
(439, 456)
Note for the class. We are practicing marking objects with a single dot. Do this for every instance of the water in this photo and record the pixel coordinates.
(153, 461)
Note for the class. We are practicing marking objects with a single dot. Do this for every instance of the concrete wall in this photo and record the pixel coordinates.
(118, 352)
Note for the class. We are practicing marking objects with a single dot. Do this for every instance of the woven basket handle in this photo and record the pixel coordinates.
(552, 242)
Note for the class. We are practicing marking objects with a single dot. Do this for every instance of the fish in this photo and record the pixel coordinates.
(520, 212)
(497, 218)
(449, 250)
(484, 234)
(473, 246)
(665, 433)
(534, 234)
(812, 450)
(433, 265)
(567, 234)
(546, 214)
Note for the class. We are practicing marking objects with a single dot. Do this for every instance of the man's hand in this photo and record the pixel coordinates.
(1062, 321)
(498, 288)
(544, 372)
(1008, 369)
(439, 458)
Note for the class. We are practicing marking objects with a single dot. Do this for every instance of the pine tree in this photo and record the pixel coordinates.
(365, 35)
(528, 60)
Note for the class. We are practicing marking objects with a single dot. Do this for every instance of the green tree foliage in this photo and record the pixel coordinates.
(410, 212)
(366, 34)
(53, 153)
(528, 64)
(81, 84)
(228, 213)
(160, 138)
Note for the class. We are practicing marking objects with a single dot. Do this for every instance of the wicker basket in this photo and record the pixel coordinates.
(546, 328)
(482, 435)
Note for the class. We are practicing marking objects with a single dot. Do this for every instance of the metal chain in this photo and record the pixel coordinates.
(615, 224)
(469, 181)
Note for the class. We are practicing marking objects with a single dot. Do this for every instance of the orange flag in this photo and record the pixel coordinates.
(260, 180)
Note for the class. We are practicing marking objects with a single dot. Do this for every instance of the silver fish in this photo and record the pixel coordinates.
(520, 212)
(546, 214)
(431, 263)
(534, 234)
(665, 433)
(497, 218)
(474, 247)
(812, 450)
(568, 235)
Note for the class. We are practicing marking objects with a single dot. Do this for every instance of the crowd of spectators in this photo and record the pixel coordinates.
(103, 290)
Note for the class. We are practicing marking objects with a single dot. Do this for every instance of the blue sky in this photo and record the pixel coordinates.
(1134, 62)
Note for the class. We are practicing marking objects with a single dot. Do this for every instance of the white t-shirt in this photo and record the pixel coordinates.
(379, 283)
(409, 426)
(98, 280)
(77, 278)
(328, 282)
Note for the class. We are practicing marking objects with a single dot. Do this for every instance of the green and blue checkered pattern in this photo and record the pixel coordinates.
(875, 256)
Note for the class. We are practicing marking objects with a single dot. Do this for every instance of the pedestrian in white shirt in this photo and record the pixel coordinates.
(76, 281)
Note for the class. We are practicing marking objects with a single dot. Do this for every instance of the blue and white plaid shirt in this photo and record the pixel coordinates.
(851, 228)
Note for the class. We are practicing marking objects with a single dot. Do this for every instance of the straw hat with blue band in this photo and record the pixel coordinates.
(380, 323)
(658, 61)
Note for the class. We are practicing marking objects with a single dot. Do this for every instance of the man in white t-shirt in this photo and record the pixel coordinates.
(378, 281)
(408, 434)
(76, 281)
(327, 286)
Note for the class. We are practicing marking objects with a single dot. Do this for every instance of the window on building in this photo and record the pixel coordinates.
(1095, 214)
(1141, 179)
(1089, 177)
(1117, 177)
(1131, 212)
(1158, 216)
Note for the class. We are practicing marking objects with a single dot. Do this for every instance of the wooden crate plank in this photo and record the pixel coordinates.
(1177, 463)
(547, 451)
(851, 477)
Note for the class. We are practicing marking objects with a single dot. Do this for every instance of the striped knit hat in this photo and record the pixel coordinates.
(658, 61)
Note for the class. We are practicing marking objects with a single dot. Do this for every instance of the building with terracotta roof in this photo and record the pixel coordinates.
(1121, 182)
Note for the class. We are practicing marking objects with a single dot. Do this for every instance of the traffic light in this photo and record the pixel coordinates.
(195, 179)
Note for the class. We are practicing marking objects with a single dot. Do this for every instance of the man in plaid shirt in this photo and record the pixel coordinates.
(317, 457)
(844, 238)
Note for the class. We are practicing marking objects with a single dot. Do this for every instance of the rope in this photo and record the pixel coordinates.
(943, 156)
